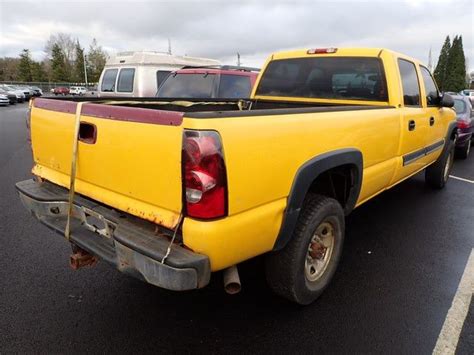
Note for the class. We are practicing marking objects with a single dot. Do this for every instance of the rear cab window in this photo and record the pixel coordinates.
(410, 85)
(108, 81)
(341, 78)
(198, 85)
(125, 80)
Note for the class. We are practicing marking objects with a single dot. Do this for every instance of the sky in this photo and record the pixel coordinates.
(255, 29)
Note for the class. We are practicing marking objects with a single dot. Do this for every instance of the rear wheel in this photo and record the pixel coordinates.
(437, 174)
(463, 152)
(304, 267)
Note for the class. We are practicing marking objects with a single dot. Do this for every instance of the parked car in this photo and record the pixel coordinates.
(20, 96)
(11, 96)
(4, 101)
(77, 90)
(61, 90)
(37, 91)
(29, 92)
(469, 94)
(139, 74)
(465, 121)
(213, 82)
(186, 189)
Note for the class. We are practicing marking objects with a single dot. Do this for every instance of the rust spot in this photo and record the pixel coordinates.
(82, 258)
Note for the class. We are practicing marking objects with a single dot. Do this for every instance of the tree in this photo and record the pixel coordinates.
(79, 64)
(67, 46)
(95, 61)
(58, 70)
(441, 68)
(24, 66)
(9, 68)
(456, 70)
(38, 72)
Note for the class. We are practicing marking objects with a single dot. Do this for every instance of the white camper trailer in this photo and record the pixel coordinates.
(139, 74)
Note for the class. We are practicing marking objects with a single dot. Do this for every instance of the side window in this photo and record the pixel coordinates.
(161, 76)
(432, 94)
(411, 89)
(108, 81)
(125, 80)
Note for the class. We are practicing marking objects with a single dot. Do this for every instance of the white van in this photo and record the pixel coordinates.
(139, 74)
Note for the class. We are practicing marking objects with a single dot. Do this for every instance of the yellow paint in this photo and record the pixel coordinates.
(133, 167)
(136, 167)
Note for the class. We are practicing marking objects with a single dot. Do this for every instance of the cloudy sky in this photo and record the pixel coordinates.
(220, 29)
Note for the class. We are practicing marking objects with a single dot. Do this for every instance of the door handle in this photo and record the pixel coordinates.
(432, 121)
(411, 125)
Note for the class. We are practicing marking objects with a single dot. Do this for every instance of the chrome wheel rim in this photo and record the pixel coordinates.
(319, 252)
(447, 167)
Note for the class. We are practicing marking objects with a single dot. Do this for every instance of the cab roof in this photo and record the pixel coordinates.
(340, 52)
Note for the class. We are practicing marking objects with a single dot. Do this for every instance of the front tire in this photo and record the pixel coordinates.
(437, 174)
(304, 267)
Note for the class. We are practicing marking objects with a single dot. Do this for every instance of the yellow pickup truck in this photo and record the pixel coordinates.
(171, 190)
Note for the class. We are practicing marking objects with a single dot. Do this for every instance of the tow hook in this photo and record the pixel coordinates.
(81, 258)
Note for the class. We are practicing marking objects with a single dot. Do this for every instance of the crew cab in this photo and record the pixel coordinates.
(171, 191)
(209, 82)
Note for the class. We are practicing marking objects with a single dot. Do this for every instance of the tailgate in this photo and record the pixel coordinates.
(132, 164)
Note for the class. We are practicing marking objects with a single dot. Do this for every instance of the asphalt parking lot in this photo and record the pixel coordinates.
(406, 252)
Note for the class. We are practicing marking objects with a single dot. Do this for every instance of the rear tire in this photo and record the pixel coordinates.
(304, 267)
(437, 174)
(463, 152)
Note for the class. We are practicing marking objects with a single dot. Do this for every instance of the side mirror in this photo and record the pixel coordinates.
(446, 100)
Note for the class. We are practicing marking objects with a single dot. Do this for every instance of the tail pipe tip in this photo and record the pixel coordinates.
(232, 280)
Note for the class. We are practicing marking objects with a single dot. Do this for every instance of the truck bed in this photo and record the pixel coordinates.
(136, 168)
(220, 107)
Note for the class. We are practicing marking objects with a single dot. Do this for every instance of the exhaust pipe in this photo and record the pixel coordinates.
(232, 280)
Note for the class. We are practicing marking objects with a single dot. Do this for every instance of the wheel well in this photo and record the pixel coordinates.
(335, 183)
(454, 133)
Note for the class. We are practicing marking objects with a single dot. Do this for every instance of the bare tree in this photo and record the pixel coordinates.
(65, 42)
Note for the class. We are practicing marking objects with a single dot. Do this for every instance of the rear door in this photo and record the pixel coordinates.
(415, 120)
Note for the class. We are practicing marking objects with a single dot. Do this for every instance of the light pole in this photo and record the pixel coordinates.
(85, 68)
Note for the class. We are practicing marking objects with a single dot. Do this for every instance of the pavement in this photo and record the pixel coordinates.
(405, 254)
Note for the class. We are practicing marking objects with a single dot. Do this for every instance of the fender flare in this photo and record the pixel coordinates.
(303, 179)
(452, 131)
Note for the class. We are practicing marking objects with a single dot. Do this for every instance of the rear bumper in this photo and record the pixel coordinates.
(134, 246)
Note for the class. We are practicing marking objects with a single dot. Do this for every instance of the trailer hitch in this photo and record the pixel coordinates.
(81, 258)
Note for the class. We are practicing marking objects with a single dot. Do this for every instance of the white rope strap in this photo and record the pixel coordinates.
(72, 181)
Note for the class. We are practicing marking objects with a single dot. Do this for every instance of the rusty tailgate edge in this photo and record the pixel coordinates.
(119, 113)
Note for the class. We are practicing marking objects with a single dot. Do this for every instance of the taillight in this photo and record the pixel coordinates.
(463, 124)
(321, 50)
(204, 175)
